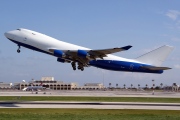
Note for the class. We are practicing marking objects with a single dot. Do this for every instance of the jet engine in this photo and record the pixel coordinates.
(59, 53)
(82, 53)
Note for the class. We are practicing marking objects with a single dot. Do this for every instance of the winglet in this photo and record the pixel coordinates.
(126, 47)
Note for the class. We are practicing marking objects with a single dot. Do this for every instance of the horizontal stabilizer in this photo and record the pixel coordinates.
(154, 68)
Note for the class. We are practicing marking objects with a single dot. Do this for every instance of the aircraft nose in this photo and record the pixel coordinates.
(9, 34)
(6, 34)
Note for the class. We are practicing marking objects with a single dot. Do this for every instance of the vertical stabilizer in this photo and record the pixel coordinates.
(157, 56)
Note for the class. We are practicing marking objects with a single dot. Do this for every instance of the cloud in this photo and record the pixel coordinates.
(173, 14)
(177, 66)
(175, 58)
(175, 39)
(171, 37)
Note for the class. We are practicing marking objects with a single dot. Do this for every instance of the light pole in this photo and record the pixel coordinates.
(103, 79)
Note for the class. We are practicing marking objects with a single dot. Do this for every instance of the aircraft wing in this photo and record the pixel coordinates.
(154, 68)
(84, 56)
(98, 53)
(110, 51)
(102, 52)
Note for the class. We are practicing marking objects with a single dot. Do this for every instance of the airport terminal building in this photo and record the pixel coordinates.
(5, 85)
(51, 83)
(47, 82)
(92, 86)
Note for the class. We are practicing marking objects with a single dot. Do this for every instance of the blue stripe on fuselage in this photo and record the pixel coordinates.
(122, 66)
(29, 46)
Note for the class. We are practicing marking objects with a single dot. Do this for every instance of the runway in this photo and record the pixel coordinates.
(92, 105)
(162, 94)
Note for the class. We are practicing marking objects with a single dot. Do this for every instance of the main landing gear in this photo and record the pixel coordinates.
(80, 66)
(18, 50)
(73, 65)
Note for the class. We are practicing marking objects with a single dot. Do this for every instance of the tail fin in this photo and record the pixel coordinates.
(157, 56)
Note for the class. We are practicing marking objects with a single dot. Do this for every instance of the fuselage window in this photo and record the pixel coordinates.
(33, 33)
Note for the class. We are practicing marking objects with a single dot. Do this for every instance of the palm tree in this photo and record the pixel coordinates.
(146, 85)
(124, 86)
(153, 84)
(139, 86)
(116, 85)
(109, 85)
(131, 86)
(161, 85)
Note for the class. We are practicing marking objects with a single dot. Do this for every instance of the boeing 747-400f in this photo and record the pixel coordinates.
(84, 57)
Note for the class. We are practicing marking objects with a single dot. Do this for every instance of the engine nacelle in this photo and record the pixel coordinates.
(82, 53)
(63, 60)
(59, 53)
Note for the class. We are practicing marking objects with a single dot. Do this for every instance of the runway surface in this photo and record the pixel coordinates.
(93, 93)
(92, 105)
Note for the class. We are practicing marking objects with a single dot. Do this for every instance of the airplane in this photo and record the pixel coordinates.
(84, 57)
(34, 88)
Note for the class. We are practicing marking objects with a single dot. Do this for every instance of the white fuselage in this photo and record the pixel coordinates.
(44, 42)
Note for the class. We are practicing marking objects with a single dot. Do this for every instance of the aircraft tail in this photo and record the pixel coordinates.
(157, 56)
(24, 89)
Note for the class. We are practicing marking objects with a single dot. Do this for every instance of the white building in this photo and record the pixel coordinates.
(5, 85)
(48, 82)
(92, 86)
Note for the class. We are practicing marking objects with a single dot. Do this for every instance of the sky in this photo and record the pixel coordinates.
(96, 24)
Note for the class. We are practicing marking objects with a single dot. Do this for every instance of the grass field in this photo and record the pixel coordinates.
(97, 99)
(86, 114)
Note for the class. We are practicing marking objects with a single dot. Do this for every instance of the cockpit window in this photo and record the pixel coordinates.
(19, 29)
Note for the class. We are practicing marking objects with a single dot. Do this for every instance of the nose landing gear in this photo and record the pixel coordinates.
(18, 50)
